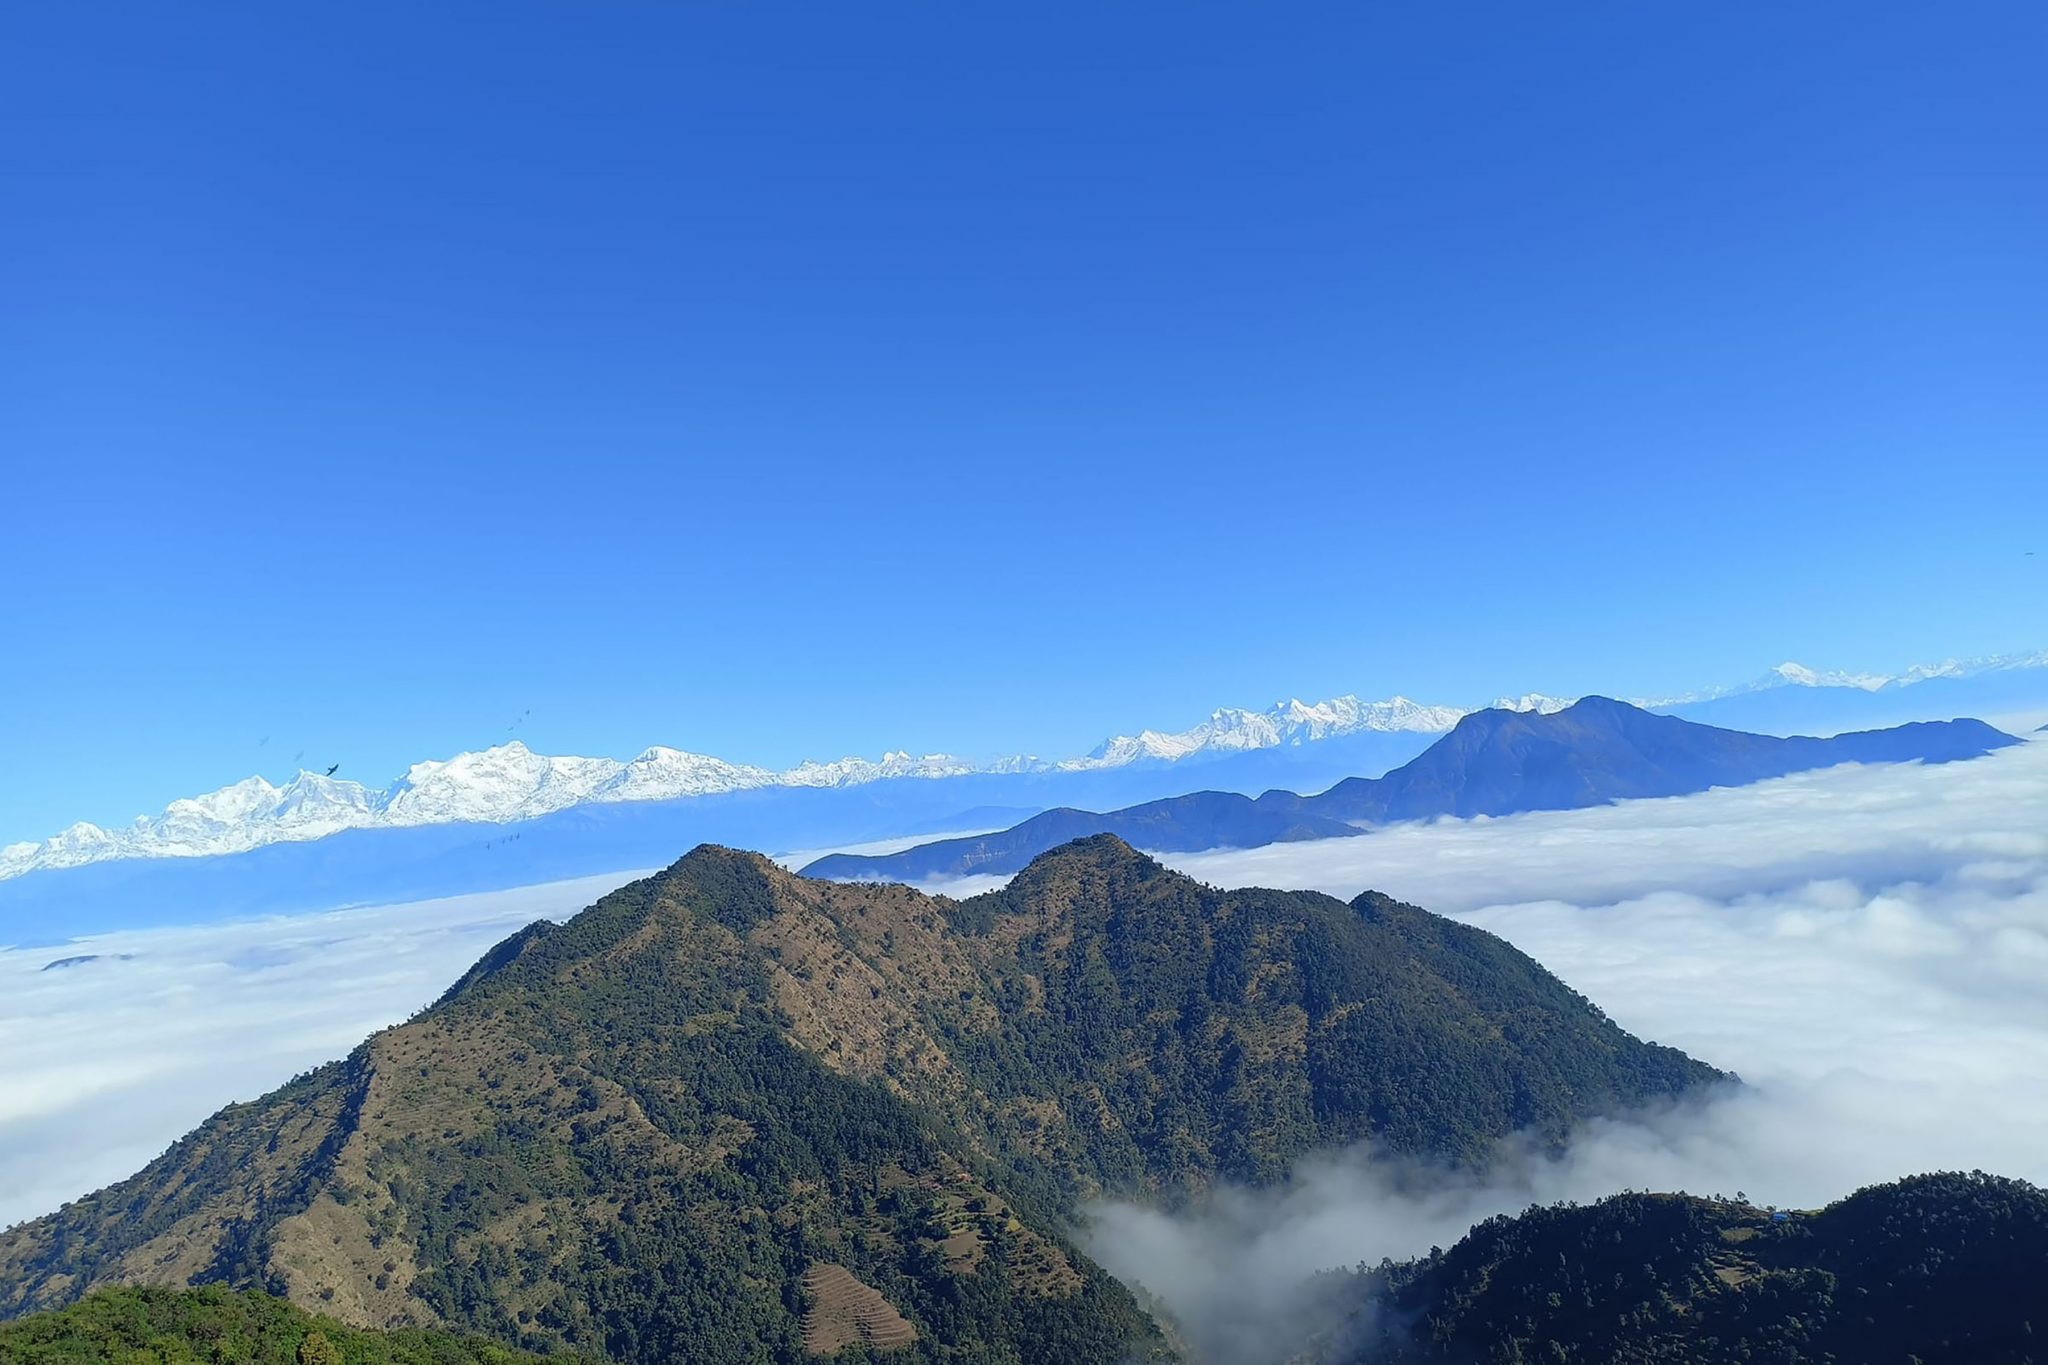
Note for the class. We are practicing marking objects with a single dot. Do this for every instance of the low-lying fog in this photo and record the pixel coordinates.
(105, 1062)
(1868, 947)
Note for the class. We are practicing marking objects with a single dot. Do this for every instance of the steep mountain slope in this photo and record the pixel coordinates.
(189, 1327)
(605, 1137)
(1226, 1033)
(726, 1112)
(1938, 1268)
(1496, 762)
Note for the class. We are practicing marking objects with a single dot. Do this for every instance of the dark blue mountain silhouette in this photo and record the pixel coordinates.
(1492, 763)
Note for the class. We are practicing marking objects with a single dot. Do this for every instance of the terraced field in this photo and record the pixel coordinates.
(844, 1312)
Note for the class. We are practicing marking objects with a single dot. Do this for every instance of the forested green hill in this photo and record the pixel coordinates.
(729, 1114)
(1939, 1269)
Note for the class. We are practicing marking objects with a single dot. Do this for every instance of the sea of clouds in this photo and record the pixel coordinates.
(1866, 946)
(104, 1063)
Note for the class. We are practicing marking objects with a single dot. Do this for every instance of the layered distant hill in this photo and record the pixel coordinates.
(1939, 1269)
(730, 1114)
(507, 816)
(1495, 762)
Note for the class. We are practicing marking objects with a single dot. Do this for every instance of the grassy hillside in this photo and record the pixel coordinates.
(1938, 1269)
(217, 1326)
(727, 1114)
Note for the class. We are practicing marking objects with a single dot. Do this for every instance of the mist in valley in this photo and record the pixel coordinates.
(1870, 954)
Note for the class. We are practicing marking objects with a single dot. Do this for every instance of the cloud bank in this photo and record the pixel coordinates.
(105, 1062)
(1868, 947)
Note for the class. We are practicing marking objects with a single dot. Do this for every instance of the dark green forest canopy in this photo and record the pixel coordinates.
(1941, 1269)
(654, 1131)
(218, 1326)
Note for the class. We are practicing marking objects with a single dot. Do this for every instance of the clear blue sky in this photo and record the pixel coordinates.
(793, 381)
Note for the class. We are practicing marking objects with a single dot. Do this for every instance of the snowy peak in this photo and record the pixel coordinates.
(1235, 730)
(1539, 703)
(852, 772)
(504, 782)
(661, 773)
(1300, 721)
(1798, 675)
(1790, 674)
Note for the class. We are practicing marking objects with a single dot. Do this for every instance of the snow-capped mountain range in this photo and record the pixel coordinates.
(495, 786)
(1798, 675)
(1234, 730)
(510, 782)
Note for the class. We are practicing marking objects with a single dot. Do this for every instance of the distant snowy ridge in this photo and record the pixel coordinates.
(1538, 702)
(1235, 730)
(1791, 674)
(493, 786)
(511, 782)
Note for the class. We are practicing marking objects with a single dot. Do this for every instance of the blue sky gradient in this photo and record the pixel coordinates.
(788, 381)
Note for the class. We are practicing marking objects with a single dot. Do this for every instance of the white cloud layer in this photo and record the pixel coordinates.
(1868, 947)
(104, 1063)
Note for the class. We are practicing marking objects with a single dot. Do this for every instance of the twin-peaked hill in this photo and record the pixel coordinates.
(1496, 762)
(729, 1114)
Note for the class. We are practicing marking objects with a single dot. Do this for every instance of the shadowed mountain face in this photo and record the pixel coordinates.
(1492, 763)
(1942, 1269)
(726, 1112)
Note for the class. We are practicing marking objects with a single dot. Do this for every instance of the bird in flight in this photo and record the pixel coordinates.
(331, 771)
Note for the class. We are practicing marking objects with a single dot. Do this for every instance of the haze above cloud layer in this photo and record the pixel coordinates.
(1867, 947)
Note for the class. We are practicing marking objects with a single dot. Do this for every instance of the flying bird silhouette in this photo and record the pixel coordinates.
(331, 771)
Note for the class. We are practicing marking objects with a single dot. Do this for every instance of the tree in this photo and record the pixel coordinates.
(316, 1349)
